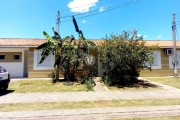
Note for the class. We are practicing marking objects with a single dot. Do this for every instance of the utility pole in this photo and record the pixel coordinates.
(174, 46)
(57, 30)
(58, 21)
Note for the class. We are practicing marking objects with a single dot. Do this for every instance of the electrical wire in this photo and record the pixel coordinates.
(96, 9)
(112, 8)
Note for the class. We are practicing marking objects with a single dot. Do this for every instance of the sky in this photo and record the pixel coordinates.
(96, 18)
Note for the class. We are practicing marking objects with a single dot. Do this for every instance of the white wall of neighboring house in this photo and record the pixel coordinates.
(16, 69)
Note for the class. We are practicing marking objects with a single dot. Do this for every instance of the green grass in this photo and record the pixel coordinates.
(152, 118)
(167, 81)
(27, 86)
(87, 104)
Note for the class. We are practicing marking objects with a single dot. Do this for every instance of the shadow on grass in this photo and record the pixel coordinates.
(6, 92)
(139, 84)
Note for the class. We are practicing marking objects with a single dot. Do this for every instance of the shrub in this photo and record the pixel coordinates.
(122, 57)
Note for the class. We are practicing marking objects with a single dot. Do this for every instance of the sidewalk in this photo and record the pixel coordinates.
(101, 93)
(94, 113)
(87, 96)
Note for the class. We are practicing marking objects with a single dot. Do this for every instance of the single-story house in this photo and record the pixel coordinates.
(20, 58)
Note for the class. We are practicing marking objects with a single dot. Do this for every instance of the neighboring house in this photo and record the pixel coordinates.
(20, 58)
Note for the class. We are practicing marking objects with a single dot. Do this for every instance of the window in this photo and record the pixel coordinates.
(2, 57)
(48, 63)
(171, 58)
(157, 60)
(16, 57)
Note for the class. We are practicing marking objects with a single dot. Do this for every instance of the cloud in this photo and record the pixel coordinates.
(138, 35)
(83, 21)
(101, 9)
(145, 36)
(159, 36)
(81, 6)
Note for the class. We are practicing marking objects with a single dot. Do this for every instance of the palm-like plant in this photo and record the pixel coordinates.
(68, 52)
(52, 46)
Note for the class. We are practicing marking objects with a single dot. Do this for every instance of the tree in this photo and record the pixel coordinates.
(52, 46)
(69, 53)
(122, 56)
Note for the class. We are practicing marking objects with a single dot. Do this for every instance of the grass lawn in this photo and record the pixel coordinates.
(87, 104)
(27, 86)
(140, 85)
(155, 118)
(167, 81)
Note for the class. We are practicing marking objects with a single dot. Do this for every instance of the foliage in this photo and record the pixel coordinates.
(89, 85)
(52, 76)
(69, 52)
(123, 56)
(88, 79)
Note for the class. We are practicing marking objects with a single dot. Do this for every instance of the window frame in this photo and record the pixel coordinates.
(35, 64)
(159, 66)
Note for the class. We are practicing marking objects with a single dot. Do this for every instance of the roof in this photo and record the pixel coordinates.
(34, 42)
(21, 42)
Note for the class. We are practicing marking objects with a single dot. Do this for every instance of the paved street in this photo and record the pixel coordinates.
(94, 113)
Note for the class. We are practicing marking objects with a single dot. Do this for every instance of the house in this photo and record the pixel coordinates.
(20, 58)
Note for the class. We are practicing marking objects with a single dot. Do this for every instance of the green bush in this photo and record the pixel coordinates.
(88, 80)
(122, 57)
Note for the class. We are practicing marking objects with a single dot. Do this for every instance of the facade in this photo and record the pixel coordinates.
(20, 58)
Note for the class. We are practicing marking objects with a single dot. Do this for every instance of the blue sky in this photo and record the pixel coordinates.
(29, 18)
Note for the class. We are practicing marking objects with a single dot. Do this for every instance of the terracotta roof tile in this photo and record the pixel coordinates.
(21, 41)
(37, 41)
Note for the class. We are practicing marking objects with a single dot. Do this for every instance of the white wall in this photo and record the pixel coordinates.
(16, 69)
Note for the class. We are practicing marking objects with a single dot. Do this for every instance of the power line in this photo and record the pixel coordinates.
(112, 8)
(130, 1)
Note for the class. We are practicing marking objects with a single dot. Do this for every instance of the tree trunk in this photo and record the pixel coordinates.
(57, 72)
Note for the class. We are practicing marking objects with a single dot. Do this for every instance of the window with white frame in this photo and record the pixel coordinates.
(48, 63)
(171, 59)
(157, 60)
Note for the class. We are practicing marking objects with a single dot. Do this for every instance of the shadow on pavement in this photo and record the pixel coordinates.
(6, 92)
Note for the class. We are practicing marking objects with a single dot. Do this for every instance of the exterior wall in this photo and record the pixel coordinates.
(26, 52)
(35, 73)
(10, 56)
(44, 73)
(164, 71)
(14, 67)
(93, 68)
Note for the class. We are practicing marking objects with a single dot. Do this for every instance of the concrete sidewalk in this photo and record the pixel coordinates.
(101, 93)
(87, 96)
(94, 113)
